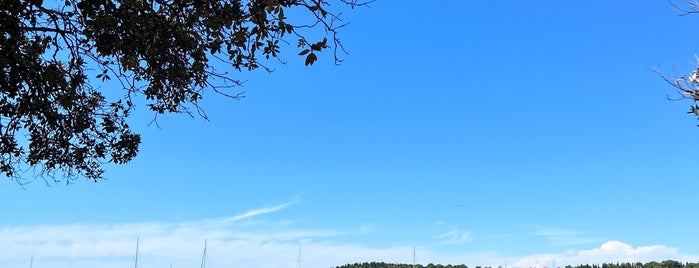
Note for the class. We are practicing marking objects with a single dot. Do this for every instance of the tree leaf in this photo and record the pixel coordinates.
(310, 59)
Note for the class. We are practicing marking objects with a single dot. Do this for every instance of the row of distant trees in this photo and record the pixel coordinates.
(652, 264)
(398, 265)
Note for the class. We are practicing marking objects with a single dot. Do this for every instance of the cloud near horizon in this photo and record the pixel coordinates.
(610, 251)
(566, 237)
(232, 243)
(91, 245)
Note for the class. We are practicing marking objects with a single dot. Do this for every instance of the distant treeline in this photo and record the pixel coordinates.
(399, 265)
(653, 264)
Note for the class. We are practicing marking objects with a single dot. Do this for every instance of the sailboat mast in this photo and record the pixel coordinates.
(298, 259)
(136, 258)
(413, 256)
(203, 256)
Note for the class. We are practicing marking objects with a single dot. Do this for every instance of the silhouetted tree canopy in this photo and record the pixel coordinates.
(56, 55)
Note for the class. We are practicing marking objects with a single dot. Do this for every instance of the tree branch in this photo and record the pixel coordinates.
(43, 29)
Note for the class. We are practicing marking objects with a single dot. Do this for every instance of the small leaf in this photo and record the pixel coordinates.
(694, 110)
(320, 45)
(310, 59)
(304, 52)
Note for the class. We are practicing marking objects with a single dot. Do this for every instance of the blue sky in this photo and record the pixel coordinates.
(479, 132)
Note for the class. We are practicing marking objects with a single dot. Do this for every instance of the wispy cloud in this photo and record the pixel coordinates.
(232, 242)
(455, 236)
(229, 245)
(265, 210)
(501, 236)
(556, 232)
(566, 237)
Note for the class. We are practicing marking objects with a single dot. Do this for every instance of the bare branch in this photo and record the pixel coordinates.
(43, 29)
(693, 7)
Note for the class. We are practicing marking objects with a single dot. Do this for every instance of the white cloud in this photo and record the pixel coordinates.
(557, 232)
(455, 236)
(228, 245)
(260, 211)
(611, 251)
(565, 237)
(232, 242)
(235, 245)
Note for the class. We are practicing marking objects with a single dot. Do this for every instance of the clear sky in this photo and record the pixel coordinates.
(479, 132)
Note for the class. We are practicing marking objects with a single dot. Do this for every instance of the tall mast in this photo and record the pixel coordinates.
(298, 259)
(136, 258)
(203, 256)
(413, 256)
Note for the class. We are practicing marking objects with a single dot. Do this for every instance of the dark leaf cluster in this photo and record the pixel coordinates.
(58, 114)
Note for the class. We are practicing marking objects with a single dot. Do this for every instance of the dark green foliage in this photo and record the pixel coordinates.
(55, 115)
(653, 264)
